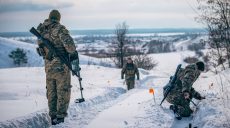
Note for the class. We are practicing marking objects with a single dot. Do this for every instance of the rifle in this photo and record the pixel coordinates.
(170, 84)
(64, 59)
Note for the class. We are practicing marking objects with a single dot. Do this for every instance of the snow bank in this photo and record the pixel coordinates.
(214, 111)
(34, 120)
(22, 92)
(41, 119)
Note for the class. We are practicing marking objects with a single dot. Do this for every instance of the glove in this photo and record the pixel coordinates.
(186, 95)
(122, 77)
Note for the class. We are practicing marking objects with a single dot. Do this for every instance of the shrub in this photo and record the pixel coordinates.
(190, 60)
(144, 61)
(196, 46)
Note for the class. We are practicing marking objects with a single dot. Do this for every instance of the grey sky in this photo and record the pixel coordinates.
(20, 15)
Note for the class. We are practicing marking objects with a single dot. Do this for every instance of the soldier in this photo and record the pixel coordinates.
(57, 74)
(130, 69)
(183, 92)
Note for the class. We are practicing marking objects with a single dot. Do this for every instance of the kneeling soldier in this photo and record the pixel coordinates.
(183, 92)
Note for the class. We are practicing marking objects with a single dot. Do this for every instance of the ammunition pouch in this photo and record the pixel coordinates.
(130, 72)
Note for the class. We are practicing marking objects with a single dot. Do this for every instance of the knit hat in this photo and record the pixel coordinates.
(55, 15)
(200, 65)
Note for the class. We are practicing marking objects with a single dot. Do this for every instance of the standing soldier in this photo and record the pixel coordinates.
(130, 69)
(57, 74)
(183, 92)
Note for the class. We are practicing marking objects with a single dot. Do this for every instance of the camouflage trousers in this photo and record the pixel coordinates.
(130, 84)
(182, 104)
(58, 91)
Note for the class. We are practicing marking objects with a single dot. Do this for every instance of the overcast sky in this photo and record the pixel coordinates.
(20, 15)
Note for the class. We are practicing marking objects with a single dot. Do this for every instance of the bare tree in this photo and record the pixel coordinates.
(125, 47)
(121, 39)
(215, 14)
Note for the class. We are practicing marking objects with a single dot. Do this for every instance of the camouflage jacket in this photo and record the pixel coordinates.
(186, 78)
(61, 39)
(129, 70)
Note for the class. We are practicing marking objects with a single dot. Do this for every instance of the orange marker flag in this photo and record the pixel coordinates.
(151, 91)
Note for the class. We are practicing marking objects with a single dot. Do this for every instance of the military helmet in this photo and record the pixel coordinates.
(54, 15)
(200, 65)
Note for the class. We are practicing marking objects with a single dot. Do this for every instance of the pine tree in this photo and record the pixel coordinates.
(19, 56)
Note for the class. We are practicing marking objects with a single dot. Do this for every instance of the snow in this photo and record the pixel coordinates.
(182, 45)
(122, 113)
(34, 60)
(23, 100)
(156, 34)
(8, 45)
(22, 92)
(135, 34)
(27, 89)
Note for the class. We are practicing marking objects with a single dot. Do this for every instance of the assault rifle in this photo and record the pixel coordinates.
(170, 84)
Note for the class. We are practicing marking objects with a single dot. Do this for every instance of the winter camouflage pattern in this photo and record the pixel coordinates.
(129, 70)
(58, 82)
(186, 78)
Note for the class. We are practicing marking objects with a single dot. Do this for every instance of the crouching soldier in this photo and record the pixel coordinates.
(57, 73)
(129, 70)
(183, 92)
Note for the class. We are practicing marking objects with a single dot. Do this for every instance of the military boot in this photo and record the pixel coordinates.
(60, 120)
(174, 108)
(53, 120)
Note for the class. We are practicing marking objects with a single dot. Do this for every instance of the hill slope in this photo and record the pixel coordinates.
(8, 45)
(34, 60)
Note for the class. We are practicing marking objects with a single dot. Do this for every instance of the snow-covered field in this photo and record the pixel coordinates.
(8, 45)
(34, 60)
(108, 105)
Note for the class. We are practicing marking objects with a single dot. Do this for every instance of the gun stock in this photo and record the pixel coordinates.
(35, 32)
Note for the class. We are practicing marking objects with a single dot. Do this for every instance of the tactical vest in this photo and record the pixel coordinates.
(130, 69)
(50, 30)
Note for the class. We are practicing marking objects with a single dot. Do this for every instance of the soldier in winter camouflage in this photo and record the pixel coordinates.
(57, 74)
(129, 70)
(183, 92)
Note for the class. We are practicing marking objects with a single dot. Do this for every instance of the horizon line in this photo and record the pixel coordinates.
(109, 29)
